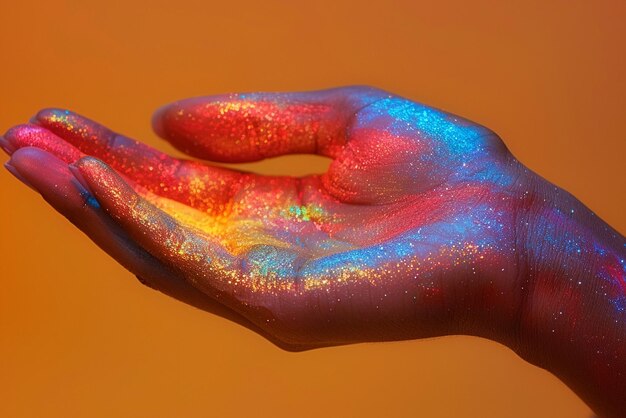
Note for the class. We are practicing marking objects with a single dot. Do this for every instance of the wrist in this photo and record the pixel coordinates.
(573, 320)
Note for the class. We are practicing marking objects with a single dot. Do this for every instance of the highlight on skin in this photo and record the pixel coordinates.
(423, 225)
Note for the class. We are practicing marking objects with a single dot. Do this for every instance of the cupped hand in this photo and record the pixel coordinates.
(411, 232)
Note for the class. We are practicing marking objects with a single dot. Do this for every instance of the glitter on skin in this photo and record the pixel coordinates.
(422, 216)
(417, 159)
(241, 212)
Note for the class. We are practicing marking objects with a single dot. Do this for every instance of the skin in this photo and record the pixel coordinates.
(424, 225)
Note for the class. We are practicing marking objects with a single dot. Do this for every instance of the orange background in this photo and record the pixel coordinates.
(79, 336)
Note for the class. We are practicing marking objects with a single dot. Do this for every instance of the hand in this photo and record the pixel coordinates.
(419, 228)
(415, 208)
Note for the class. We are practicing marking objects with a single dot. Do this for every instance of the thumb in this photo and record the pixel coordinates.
(250, 127)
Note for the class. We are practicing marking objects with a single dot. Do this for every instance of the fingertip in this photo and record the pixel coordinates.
(30, 135)
(103, 182)
(11, 169)
(33, 156)
(88, 162)
(92, 169)
(6, 146)
(67, 124)
(49, 176)
(166, 120)
(87, 168)
(14, 137)
(37, 167)
(158, 120)
(49, 114)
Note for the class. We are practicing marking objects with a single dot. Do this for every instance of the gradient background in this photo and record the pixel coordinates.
(80, 337)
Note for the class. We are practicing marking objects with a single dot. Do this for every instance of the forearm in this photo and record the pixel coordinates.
(574, 318)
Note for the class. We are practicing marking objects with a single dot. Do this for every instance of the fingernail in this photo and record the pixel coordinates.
(83, 187)
(157, 120)
(44, 114)
(11, 169)
(6, 145)
(79, 177)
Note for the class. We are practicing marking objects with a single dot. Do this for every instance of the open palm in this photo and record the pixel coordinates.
(410, 233)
